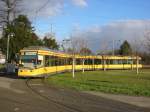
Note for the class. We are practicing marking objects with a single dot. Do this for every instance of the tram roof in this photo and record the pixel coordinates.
(36, 48)
(44, 50)
(60, 53)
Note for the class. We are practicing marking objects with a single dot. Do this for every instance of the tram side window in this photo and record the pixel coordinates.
(107, 61)
(119, 61)
(97, 61)
(111, 62)
(88, 62)
(61, 61)
(130, 61)
(50, 61)
(56, 61)
(70, 61)
(47, 61)
(124, 62)
(116, 62)
(78, 61)
(66, 61)
(135, 61)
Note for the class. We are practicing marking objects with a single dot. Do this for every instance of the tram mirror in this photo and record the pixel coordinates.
(20, 65)
(35, 66)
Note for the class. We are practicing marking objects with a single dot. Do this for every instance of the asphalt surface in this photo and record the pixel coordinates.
(23, 95)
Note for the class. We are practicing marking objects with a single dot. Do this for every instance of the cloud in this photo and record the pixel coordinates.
(42, 8)
(81, 3)
(47, 8)
(101, 37)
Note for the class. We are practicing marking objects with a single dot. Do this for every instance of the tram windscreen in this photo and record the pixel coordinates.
(29, 61)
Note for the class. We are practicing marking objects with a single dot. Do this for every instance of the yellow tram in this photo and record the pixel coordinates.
(38, 61)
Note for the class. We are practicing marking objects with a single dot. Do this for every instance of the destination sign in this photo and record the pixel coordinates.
(30, 53)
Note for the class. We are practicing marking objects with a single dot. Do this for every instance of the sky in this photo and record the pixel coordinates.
(99, 21)
(68, 15)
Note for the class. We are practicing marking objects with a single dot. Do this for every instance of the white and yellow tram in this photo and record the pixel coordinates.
(40, 61)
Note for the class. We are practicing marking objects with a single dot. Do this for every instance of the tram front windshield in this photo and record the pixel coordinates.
(29, 61)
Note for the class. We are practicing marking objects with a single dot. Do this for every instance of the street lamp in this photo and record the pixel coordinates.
(65, 42)
(113, 52)
(0, 31)
(8, 39)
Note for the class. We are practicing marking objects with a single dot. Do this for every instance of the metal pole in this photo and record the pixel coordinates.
(113, 53)
(8, 39)
(83, 65)
(137, 68)
(104, 62)
(93, 62)
(73, 67)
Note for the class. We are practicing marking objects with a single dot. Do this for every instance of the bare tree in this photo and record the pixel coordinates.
(104, 47)
(79, 46)
(74, 50)
(8, 11)
(147, 40)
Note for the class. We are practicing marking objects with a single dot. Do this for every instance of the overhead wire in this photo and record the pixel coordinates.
(39, 9)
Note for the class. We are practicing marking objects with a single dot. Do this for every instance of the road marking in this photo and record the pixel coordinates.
(6, 85)
(16, 109)
(41, 91)
(36, 84)
(134, 100)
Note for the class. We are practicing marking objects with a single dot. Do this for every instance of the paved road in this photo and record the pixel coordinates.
(20, 95)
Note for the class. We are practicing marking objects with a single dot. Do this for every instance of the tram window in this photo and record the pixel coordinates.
(78, 61)
(124, 61)
(103, 62)
(107, 61)
(140, 62)
(39, 62)
(100, 61)
(46, 61)
(97, 61)
(119, 61)
(85, 61)
(52, 61)
(56, 61)
(61, 61)
(69, 61)
(115, 62)
(134, 61)
(90, 62)
(66, 61)
(130, 61)
(111, 62)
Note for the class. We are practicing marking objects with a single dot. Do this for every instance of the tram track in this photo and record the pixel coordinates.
(47, 98)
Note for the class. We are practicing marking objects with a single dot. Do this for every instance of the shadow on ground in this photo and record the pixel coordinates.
(9, 75)
(3, 73)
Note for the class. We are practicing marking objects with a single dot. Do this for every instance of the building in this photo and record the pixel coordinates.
(2, 58)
